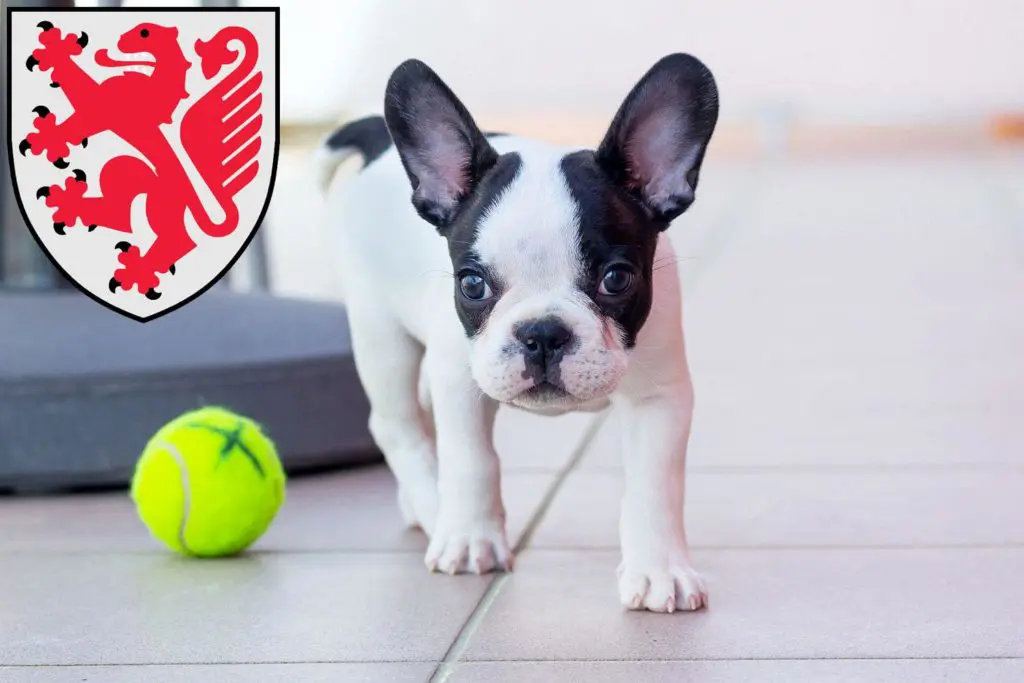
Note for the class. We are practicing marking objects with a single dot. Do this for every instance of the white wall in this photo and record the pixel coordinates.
(863, 59)
(570, 59)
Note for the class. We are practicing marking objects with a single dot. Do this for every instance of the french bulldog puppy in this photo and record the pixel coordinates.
(525, 274)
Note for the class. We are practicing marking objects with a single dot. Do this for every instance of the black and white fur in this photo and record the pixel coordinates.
(523, 273)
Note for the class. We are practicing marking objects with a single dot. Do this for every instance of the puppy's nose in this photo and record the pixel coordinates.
(544, 341)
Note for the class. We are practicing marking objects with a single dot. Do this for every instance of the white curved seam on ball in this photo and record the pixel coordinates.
(185, 488)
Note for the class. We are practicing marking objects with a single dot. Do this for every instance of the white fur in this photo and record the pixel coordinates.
(434, 393)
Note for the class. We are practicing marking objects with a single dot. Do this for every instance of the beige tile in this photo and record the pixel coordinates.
(755, 432)
(771, 331)
(528, 441)
(787, 353)
(351, 510)
(358, 511)
(761, 671)
(71, 524)
(311, 607)
(405, 672)
(767, 605)
(859, 379)
(787, 508)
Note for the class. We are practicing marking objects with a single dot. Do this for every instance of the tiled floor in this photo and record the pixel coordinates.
(855, 498)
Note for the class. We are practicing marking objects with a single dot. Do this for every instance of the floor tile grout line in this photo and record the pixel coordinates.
(175, 664)
(844, 468)
(794, 548)
(453, 657)
(596, 548)
(581, 449)
(446, 667)
(697, 660)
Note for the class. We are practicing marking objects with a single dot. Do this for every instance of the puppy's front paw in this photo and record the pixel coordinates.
(664, 586)
(478, 547)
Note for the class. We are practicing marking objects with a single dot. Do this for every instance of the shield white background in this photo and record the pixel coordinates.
(91, 258)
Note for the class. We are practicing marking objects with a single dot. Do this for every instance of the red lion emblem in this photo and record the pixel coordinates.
(220, 134)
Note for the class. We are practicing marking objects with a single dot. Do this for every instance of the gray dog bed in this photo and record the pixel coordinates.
(82, 389)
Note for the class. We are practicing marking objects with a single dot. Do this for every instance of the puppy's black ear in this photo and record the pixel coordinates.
(442, 150)
(655, 145)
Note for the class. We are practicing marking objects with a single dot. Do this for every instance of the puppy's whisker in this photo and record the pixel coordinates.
(439, 272)
(666, 262)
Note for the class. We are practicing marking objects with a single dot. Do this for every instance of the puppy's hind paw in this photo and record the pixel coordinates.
(417, 506)
(406, 510)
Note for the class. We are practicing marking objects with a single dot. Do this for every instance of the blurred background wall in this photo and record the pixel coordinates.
(795, 76)
(867, 61)
(864, 61)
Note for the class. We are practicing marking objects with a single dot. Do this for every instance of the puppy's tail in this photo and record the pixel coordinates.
(368, 137)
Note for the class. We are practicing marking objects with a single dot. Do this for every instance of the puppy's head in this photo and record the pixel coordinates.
(552, 252)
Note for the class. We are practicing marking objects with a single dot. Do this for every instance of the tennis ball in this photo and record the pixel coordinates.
(209, 483)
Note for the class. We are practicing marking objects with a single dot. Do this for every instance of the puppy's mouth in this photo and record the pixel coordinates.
(546, 391)
(545, 397)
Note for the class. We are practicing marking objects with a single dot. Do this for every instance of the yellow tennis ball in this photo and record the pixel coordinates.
(209, 483)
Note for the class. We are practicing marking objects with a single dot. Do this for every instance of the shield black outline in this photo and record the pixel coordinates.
(11, 65)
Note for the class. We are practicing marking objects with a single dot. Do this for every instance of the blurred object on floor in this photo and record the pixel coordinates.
(82, 389)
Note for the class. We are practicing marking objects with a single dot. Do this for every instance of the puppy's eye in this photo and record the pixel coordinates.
(617, 281)
(474, 287)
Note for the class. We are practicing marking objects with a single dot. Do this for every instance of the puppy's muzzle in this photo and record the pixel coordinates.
(544, 343)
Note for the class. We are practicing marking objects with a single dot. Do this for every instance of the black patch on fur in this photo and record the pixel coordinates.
(367, 135)
(614, 228)
(655, 145)
(443, 151)
(462, 233)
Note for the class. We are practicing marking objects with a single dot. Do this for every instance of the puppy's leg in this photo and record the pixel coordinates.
(655, 572)
(388, 362)
(470, 531)
(427, 419)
